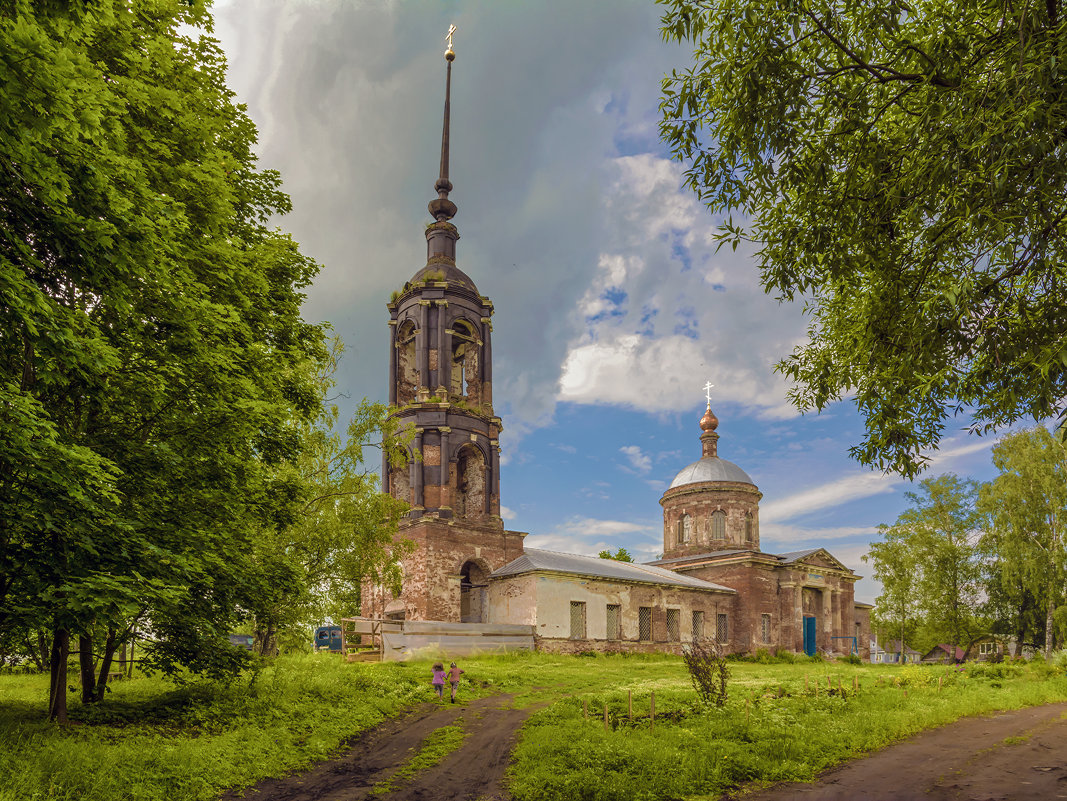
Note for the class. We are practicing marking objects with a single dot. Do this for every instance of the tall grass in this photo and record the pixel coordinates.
(782, 723)
(150, 740)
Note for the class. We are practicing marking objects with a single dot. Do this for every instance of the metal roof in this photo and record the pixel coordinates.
(610, 569)
(794, 556)
(711, 468)
(706, 555)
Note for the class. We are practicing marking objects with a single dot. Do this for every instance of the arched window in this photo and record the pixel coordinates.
(465, 381)
(407, 374)
(470, 495)
(718, 525)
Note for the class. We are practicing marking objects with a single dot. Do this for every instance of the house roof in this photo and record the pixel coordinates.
(953, 651)
(894, 648)
(785, 558)
(534, 559)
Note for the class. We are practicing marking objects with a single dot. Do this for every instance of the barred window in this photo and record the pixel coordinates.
(674, 625)
(644, 623)
(698, 625)
(765, 628)
(721, 631)
(614, 622)
(577, 620)
(718, 525)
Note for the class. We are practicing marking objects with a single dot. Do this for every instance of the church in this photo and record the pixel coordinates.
(713, 581)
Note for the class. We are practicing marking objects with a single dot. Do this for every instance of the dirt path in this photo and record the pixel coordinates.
(1011, 755)
(474, 771)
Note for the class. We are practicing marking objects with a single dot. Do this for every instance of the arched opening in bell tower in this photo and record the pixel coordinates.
(473, 587)
(407, 374)
(465, 381)
(470, 483)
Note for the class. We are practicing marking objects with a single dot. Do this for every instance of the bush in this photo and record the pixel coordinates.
(708, 671)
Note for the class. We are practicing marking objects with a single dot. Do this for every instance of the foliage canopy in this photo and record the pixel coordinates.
(903, 169)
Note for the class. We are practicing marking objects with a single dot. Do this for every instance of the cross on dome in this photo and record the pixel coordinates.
(708, 387)
(451, 31)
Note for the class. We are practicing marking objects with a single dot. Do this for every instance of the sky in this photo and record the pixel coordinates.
(613, 307)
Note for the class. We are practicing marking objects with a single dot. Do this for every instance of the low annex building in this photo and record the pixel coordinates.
(713, 581)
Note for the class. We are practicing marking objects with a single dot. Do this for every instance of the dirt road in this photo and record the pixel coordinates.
(474, 770)
(1019, 755)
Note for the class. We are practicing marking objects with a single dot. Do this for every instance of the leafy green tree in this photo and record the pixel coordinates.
(1026, 531)
(901, 168)
(620, 555)
(343, 532)
(896, 567)
(151, 347)
(931, 556)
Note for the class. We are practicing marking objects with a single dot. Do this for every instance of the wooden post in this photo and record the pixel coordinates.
(585, 708)
(839, 685)
(855, 683)
(605, 717)
(652, 725)
(630, 704)
(747, 711)
(829, 685)
(805, 682)
(939, 680)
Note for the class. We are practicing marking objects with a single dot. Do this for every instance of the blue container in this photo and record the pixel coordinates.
(328, 638)
(244, 641)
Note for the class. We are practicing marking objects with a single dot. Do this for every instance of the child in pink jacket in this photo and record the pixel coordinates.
(438, 680)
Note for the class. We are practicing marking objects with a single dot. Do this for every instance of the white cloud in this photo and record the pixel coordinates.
(799, 536)
(506, 513)
(859, 485)
(588, 535)
(639, 460)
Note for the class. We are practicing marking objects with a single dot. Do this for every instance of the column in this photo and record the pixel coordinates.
(416, 485)
(392, 362)
(444, 354)
(487, 361)
(446, 499)
(422, 351)
(827, 618)
(494, 477)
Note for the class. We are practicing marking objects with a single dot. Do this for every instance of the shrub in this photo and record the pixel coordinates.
(708, 671)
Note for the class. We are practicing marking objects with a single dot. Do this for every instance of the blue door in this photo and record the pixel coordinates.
(809, 636)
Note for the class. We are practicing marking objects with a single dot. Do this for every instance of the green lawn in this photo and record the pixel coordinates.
(150, 740)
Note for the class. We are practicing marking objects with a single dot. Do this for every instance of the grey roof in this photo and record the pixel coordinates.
(711, 468)
(795, 556)
(706, 555)
(533, 559)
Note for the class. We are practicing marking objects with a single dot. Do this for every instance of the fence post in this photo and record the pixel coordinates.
(652, 726)
(585, 708)
(855, 683)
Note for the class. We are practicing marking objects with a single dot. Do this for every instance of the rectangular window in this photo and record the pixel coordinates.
(614, 622)
(674, 625)
(644, 623)
(722, 633)
(985, 648)
(698, 625)
(577, 620)
(765, 628)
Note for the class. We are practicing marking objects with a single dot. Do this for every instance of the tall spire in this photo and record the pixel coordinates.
(442, 208)
(708, 423)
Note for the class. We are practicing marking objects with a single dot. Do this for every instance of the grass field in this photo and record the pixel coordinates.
(150, 740)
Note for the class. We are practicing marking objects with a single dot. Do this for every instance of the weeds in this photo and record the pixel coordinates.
(708, 671)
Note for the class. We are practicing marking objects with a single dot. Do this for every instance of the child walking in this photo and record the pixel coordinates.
(438, 680)
(453, 676)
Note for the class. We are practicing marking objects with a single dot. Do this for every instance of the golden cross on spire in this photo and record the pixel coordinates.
(451, 31)
(708, 387)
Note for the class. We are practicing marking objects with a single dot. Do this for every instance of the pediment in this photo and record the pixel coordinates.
(822, 559)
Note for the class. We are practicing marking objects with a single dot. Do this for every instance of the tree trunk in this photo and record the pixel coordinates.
(1049, 622)
(105, 663)
(87, 668)
(57, 688)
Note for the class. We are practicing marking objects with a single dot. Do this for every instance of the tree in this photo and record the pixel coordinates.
(343, 531)
(930, 558)
(1026, 531)
(902, 169)
(620, 555)
(152, 354)
(895, 566)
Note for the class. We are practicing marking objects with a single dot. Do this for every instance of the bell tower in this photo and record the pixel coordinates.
(441, 388)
